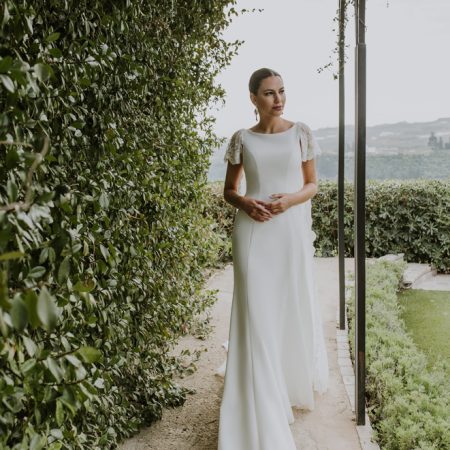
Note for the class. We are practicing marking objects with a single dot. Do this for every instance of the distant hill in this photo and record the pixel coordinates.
(394, 138)
(399, 150)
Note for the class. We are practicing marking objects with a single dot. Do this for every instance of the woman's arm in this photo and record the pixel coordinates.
(231, 185)
(309, 189)
(256, 209)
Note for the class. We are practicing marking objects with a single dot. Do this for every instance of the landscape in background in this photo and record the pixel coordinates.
(400, 150)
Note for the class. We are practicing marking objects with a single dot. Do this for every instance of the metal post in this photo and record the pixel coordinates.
(360, 186)
(341, 238)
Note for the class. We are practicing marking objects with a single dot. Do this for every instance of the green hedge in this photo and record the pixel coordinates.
(104, 244)
(409, 217)
(409, 404)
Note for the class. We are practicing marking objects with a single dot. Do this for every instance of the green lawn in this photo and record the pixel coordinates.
(427, 318)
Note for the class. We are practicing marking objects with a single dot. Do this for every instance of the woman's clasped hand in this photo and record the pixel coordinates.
(262, 211)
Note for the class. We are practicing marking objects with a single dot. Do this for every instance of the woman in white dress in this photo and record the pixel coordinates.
(276, 349)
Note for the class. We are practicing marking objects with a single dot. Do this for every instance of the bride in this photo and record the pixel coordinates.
(276, 350)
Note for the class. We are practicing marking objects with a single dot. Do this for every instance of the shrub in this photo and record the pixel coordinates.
(408, 404)
(406, 216)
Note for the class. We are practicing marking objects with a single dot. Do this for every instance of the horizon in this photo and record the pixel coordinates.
(392, 123)
(379, 124)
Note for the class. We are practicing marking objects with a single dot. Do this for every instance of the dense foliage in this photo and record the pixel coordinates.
(407, 217)
(105, 144)
(408, 403)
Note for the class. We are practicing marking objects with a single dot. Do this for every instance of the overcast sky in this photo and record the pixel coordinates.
(408, 61)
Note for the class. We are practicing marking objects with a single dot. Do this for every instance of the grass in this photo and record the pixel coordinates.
(427, 318)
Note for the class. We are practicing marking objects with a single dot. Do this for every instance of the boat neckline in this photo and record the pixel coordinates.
(271, 134)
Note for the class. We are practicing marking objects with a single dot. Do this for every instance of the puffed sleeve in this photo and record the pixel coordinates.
(233, 152)
(309, 146)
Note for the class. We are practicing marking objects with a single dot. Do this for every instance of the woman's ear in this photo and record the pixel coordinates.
(253, 98)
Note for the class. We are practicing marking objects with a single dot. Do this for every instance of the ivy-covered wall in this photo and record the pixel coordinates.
(104, 244)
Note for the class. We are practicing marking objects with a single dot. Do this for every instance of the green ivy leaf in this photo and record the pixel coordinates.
(64, 270)
(27, 365)
(84, 286)
(73, 360)
(55, 369)
(48, 312)
(104, 251)
(57, 433)
(59, 413)
(99, 383)
(3, 327)
(84, 82)
(43, 256)
(38, 442)
(56, 52)
(43, 71)
(19, 314)
(5, 64)
(52, 37)
(12, 157)
(12, 191)
(8, 83)
(36, 272)
(89, 354)
(55, 446)
(31, 301)
(30, 346)
(69, 401)
(104, 200)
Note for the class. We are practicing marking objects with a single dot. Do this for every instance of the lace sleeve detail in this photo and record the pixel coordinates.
(233, 152)
(309, 146)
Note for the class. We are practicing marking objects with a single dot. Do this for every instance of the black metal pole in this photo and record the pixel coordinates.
(360, 206)
(341, 241)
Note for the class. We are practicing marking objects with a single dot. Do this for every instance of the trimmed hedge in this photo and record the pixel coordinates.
(409, 217)
(104, 245)
(408, 404)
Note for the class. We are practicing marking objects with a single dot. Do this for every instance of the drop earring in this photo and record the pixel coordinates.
(256, 114)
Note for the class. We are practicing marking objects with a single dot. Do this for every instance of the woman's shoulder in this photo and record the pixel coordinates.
(237, 137)
(238, 132)
(304, 131)
(303, 126)
(234, 147)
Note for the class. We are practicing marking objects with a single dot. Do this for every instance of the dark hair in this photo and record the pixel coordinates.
(258, 76)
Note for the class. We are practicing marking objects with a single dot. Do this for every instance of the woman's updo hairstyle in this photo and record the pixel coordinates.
(258, 76)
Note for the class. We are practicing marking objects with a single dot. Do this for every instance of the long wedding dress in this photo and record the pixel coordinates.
(276, 348)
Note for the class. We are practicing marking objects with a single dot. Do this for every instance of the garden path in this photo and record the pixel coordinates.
(194, 426)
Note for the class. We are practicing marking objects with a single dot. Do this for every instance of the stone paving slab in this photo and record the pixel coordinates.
(440, 282)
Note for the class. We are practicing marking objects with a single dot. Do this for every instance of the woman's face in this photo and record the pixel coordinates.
(270, 98)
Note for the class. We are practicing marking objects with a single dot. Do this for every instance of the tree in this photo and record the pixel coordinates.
(432, 141)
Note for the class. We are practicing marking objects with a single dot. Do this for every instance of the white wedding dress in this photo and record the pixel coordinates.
(276, 349)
